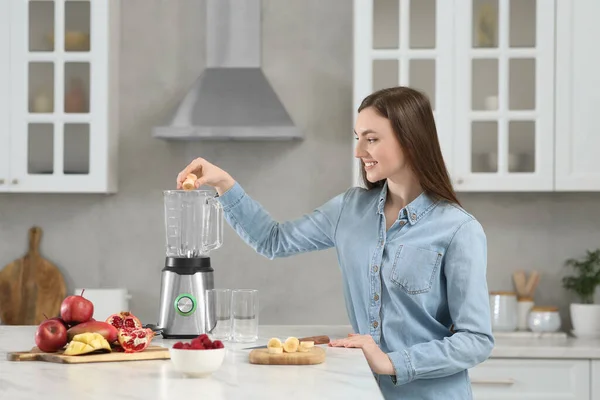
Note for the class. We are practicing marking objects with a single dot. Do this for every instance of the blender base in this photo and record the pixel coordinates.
(183, 313)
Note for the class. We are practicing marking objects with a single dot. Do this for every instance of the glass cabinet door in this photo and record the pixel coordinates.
(4, 98)
(407, 43)
(51, 92)
(504, 95)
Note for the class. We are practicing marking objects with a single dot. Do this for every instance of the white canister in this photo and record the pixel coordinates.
(106, 301)
(524, 305)
(544, 319)
(503, 310)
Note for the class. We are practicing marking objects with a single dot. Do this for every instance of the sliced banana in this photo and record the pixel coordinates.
(291, 345)
(306, 346)
(275, 350)
(274, 342)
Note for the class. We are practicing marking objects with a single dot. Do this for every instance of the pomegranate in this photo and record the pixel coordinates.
(124, 319)
(76, 308)
(105, 329)
(51, 336)
(134, 340)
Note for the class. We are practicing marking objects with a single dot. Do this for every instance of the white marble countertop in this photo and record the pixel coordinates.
(344, 374)
(569, 347)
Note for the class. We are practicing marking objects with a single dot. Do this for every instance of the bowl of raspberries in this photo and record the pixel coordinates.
(198, 358)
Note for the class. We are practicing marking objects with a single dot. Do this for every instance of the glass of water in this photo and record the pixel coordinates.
(245, 315)
(219, 301)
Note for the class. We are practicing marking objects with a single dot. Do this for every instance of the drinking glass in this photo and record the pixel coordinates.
(245, 315)
(219, 302)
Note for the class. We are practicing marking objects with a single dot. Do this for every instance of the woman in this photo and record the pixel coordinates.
(413, 260)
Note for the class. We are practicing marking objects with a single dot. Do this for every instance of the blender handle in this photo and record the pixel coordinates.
(218, 240)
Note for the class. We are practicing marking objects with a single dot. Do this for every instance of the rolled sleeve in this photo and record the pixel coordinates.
(403, 369)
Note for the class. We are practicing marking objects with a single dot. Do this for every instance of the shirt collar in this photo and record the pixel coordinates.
(414, 211)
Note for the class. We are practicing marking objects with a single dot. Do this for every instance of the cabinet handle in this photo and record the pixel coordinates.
(15, 181)
(508, 381)
(1, 181)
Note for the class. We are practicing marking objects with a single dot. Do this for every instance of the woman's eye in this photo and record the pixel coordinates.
(371, 140)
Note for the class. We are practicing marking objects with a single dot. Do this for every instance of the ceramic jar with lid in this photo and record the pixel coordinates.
(524, 306)
(503, 310)
(544, 319)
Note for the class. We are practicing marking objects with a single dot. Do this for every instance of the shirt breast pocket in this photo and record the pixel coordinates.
(414, 268)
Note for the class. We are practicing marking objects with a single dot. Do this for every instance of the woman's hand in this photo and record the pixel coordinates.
(208, 174)
(379, 362)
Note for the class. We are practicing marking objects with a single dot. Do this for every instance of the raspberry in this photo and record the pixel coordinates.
(217, 344)
(207, 343)
(203, 337)
(178, 345)
(196, 345)
(187, 346)
(196, 340)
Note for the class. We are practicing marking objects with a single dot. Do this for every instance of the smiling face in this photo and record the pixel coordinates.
(378, 147)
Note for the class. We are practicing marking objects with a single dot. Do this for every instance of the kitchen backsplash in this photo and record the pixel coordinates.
(117, 240)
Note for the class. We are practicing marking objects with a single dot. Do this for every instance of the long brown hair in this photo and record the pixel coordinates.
(411, 117)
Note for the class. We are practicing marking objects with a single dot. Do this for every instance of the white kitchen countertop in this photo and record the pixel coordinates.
(570, 347)
(345, 374)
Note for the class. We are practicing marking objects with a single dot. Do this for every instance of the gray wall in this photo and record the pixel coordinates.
(117, 240)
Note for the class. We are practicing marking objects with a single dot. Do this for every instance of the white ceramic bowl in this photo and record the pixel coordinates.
(197, 363)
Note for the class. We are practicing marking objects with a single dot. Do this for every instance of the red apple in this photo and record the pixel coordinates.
(59, 319)
(51, 336)
(76, 308)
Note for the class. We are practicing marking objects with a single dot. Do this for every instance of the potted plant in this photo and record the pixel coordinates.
(585, 315)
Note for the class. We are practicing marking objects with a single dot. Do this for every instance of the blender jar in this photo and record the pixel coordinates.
(193, 223)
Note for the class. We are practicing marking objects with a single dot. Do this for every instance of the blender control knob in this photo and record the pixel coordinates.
(185, 305)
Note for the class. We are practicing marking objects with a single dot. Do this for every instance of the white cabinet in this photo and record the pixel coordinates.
(504, 115)
(577, 96)
(514, 84)
(516, 379)
(409, 43)
(4, 102)
(62, 123)
(595, 377)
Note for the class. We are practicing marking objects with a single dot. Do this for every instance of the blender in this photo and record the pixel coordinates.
(193, 228)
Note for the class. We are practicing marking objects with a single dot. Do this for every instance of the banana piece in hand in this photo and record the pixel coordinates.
(190, 182)
(86, 343)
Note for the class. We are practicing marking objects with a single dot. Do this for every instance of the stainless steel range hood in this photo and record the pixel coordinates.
(232, 98)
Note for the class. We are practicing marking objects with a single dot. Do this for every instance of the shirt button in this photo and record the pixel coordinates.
(375, 268)
(375, 324)
(376, 297)
(402, 223)
(413, 216)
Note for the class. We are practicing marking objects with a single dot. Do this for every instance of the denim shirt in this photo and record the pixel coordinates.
(419, 289)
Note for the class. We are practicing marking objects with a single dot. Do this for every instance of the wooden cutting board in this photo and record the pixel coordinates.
(151, 353)
(30, 287)
(315, 355)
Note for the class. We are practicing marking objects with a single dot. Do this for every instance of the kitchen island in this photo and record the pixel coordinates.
(345, 373)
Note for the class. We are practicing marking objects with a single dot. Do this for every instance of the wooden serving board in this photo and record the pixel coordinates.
(30, 287)
(315, 355)
(151, 353)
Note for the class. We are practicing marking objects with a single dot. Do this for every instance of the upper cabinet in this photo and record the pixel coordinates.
(513, 98)
(407, 43)
(504, 119)
(577, 96)
(61, 127)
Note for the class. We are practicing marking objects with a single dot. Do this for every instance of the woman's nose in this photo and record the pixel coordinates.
(359, 151)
